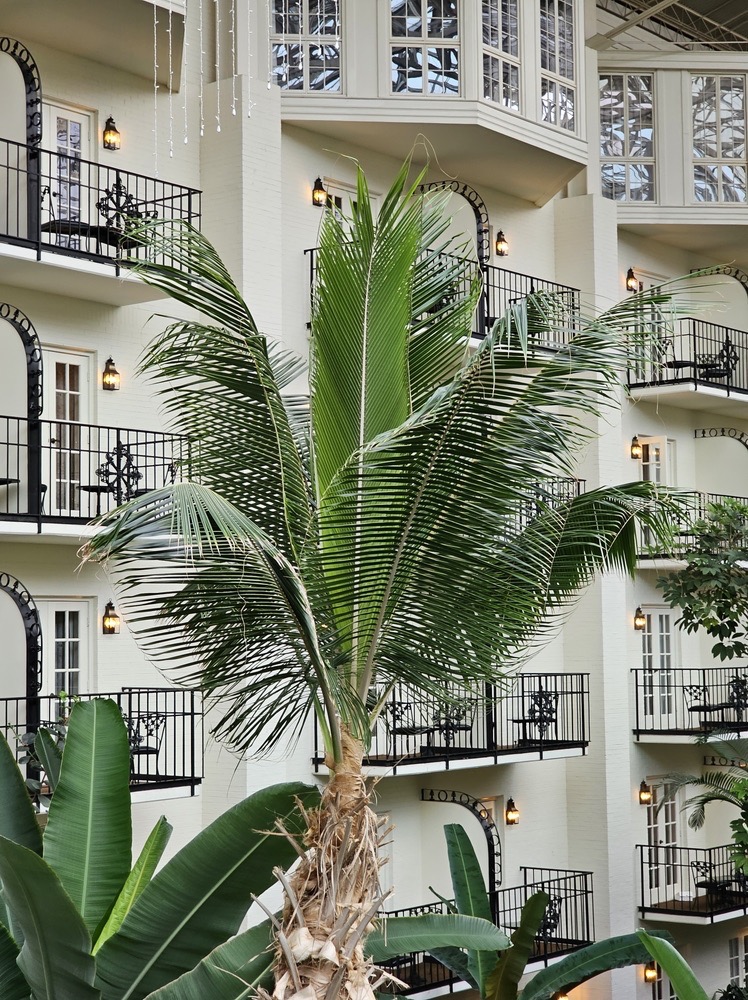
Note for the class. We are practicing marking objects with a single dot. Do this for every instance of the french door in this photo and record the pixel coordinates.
(66, 188)
(662, 839)
(66, 668)
(658, 693)
(66, 458)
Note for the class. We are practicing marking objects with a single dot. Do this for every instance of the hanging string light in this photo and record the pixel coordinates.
(171, 88)
(185, 62)
(249, 63)
(155, 91)
(232, 32)
(218, 64)
(269, 45)
(202, 71)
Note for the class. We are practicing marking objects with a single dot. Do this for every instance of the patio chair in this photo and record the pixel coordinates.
(145, 733)
(452, 717)
(705, 877)
(542, 715)
(404, 718)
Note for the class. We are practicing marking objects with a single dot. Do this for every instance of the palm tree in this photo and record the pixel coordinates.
(377, 532)
(729, 784)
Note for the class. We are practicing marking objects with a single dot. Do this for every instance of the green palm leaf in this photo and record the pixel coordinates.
(17, 817)
(88, 838)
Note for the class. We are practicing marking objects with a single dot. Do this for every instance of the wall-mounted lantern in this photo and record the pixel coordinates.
(111, 137)
(636, 447)
(511, 814)
(650, 972)
(632, 282)
(502, 244)
(110, 620)
(640, 620)
(645, 794)
(110, 376)
(319, 195)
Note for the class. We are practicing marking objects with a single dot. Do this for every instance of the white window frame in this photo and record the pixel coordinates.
(737, 959)
(626, 160)
(424, 43)
(504, 59)
(555, 76)
(718, 162)
(86, 608)
(306, 39)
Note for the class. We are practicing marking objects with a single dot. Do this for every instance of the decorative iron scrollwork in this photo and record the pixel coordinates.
(33, 348)
(32, 628)
(33, 84)
(478, 809)
(482, 232)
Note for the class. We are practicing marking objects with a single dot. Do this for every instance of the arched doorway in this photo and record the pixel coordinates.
(32, 629)
(23, 326)
(29, 159)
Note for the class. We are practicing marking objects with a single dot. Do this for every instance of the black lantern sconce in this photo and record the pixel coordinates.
(650, 972)
(561, 995)
(319, 195)
(645, 794)
(502, 244)
(110, 376)
(511, 814)
(110, 621)
(632, 282)
(111, 138)
(640, 620)
(636, 447)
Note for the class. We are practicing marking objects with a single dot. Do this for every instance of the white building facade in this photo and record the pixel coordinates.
(598, 140)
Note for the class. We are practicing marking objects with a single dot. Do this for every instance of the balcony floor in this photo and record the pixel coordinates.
(695, 395)
(702, 909)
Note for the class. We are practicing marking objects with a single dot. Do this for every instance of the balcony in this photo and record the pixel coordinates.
(690, 885)
(55, 472)
(699, 366)
(64, 223)
(554, 307)
(676, 705)
(683, 540)
(567, 926)
(164, 727)
(539, 716)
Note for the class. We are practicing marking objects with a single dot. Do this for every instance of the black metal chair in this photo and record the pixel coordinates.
(404, 719)
(551, 918)
(145, 734)
(696, 697)
(454, 717)
(541, 716)
(738, 696)
(704, 877)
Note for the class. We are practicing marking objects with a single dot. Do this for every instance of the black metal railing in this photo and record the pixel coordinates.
(689, 702)
(535, 714)
(553, 313)
(701, 883)
(694, 352)
(57, 470)
(568, 923)
(164, 727)
(683, 540)
(65, 204)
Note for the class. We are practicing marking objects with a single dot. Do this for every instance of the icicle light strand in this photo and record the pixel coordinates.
(155, 91)
(218, 65)
(233, 57)
(249, 62)
(269, 46)
(185, 63)
(202, 70)
(171, 88)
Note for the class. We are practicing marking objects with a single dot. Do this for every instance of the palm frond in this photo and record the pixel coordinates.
(222, 389)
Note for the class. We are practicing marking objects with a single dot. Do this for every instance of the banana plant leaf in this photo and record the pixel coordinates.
(678, 971)
(232, 971)
(13, 986)
(457, 962)
(402, 935)
(137, 880)
(56, 954)
(602, 956)
(503, 981)
(471, 897)
(17, 817)
(88, 839)
(200, 897)
(50, 755)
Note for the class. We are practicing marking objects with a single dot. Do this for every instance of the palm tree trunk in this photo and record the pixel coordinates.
(334, 893)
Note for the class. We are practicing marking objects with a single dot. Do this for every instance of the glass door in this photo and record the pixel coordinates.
(65, 184)
(662, 839)
(658, 679)
(65, 447)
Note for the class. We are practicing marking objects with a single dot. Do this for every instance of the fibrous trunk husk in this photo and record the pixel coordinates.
(333, 894)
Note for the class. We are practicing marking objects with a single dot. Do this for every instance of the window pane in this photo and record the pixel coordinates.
(442, 71)
(406, 70)
(324, 67)
(640, 116)
(286, 17)
(703, 99)
(614, 181)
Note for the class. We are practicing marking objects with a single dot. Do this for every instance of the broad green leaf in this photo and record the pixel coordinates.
(471, 896)
(88, 839)
(602, 956)
(503, 981)
(198, 900)
(457, 962)
(17, 817)
(56, 954)
(13, 986)
(137, 880)
(676, 968)
(400, 935)
(50, 755)
(232, 971)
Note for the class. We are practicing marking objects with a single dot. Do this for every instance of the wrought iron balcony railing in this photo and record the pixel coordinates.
(164, 727)
(689, 702)
(685, 535)
(61, 203)
(690, 883)
(553, 308)
(696, 353)
(537, 714)
(62, 471)
(568, 923)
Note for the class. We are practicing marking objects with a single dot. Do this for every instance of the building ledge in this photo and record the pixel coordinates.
(717, 232)
(465, 135)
